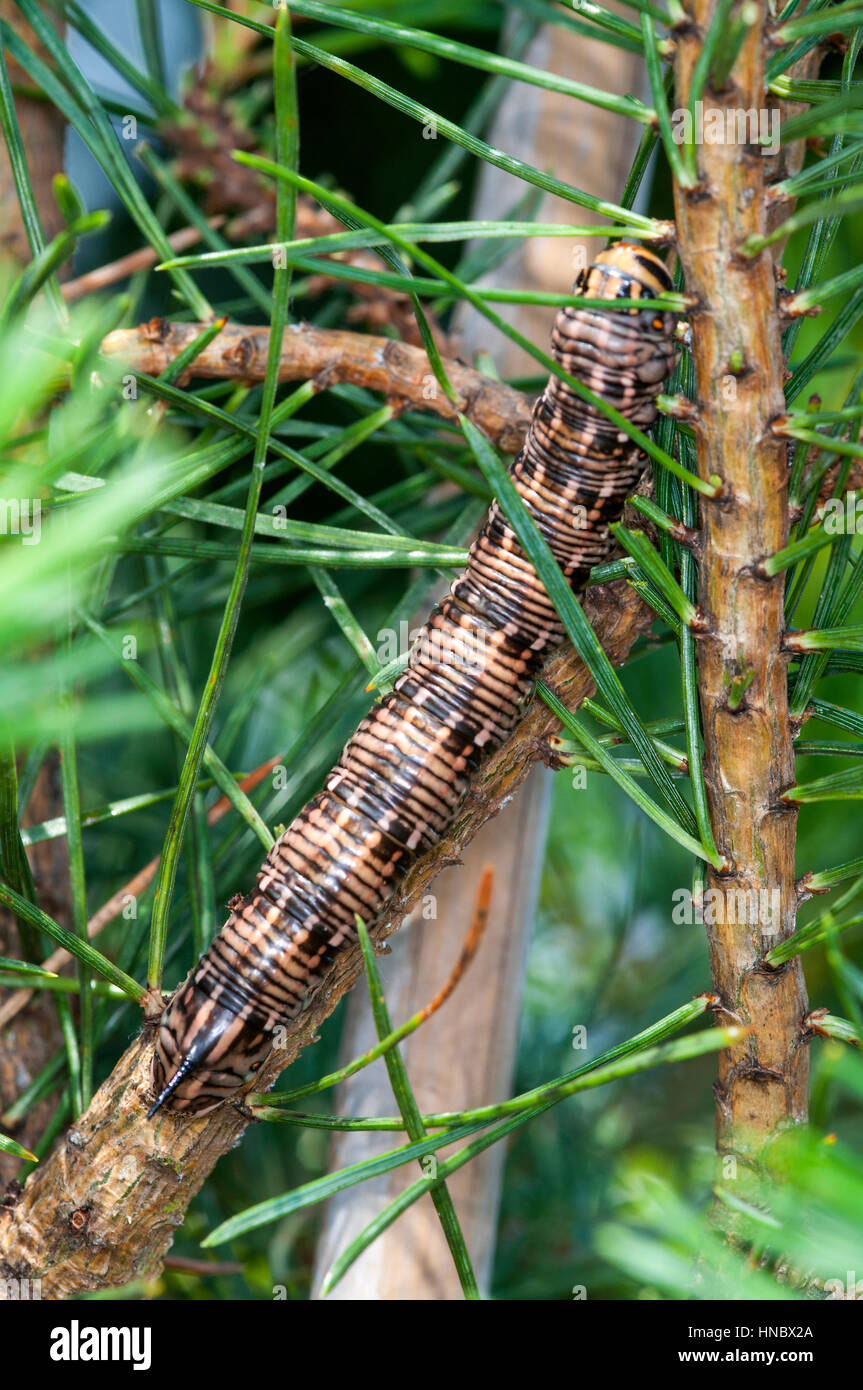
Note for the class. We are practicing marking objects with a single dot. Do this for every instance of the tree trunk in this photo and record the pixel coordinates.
(748, 748)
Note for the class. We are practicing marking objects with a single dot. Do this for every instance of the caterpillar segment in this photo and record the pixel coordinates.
(403, 775)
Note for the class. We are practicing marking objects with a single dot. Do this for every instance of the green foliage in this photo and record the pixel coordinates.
(803, 1245)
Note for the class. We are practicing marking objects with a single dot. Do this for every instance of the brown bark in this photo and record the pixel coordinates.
(749, 758)
(103, 1209)
(403, 373)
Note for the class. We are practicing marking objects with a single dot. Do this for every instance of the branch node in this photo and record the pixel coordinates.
(712, 1000)
(794, 643)
(153, 1003)
(811, 1024)
(679, 407)
(737, 690)
(805, 891)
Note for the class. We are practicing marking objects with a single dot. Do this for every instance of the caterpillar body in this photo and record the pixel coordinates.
(400, 779)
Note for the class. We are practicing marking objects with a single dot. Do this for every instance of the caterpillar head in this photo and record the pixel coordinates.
(205, 1052)
(627, 270)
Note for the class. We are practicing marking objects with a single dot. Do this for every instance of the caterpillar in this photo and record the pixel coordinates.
(400, 779)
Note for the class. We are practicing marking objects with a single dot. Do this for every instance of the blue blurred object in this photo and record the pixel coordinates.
(181, 43)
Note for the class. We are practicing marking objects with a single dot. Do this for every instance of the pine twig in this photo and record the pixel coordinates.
(399, 371)
(748, 748)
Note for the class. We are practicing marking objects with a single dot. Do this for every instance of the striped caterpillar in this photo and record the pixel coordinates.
(401, 778)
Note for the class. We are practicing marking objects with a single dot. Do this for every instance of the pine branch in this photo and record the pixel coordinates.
(330, 356)
(748, 756)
